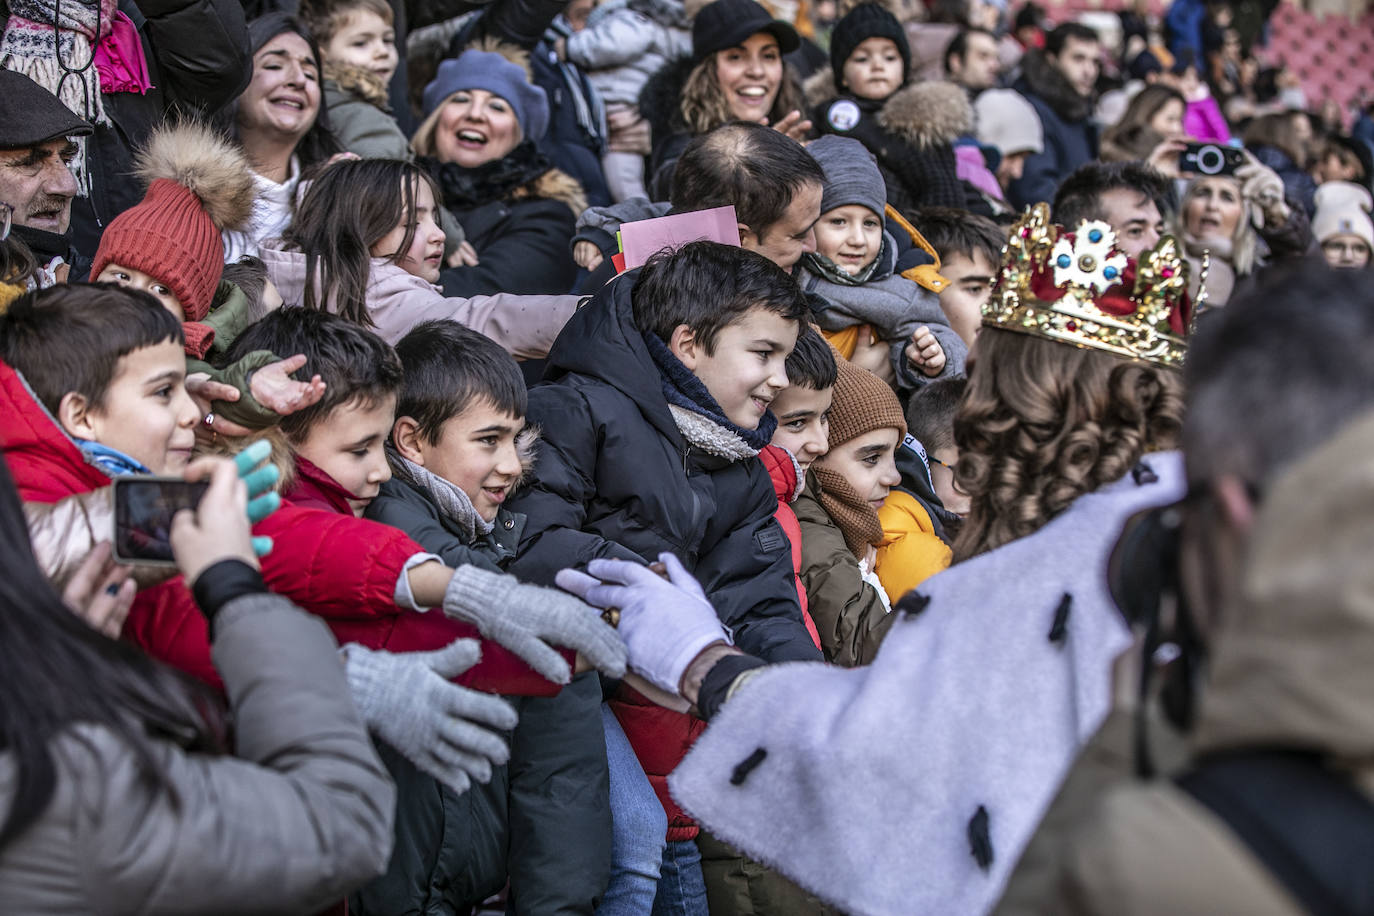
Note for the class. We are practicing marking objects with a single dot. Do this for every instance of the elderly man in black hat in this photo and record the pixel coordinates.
(37, 143)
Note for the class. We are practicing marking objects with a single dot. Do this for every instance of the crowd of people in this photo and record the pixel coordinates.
(986, 531)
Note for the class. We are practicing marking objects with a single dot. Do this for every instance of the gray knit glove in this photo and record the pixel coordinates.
(529, 620)
(446, 730)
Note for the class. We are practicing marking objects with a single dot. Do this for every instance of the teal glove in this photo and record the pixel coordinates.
(259, 475)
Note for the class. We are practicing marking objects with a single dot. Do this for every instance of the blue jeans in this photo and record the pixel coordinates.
(638, 829)
(681, 887)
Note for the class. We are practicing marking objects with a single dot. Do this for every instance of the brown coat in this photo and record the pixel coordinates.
(1289, 668)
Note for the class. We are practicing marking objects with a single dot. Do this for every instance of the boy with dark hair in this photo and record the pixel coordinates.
(970, 249)
(655, 405)
(128, 412)
(1132, 197)
(458, 446)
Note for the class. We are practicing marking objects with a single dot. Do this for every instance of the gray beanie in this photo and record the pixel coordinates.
(851, 174)
(489, 71)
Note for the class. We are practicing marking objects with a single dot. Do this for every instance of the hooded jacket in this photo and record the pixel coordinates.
(615, 477)
(397, 301)
(357, 104)
(1289, 669)
(894, 307)
(627, 41)
(340, 568)
(910, 785)
(1070, 134)
(911, 133)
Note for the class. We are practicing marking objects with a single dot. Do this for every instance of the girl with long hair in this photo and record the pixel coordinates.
(281, 123)
(365, 245)
(115, 788)
(1154, 114)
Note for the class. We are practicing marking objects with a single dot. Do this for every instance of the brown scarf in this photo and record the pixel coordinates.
(856, 519)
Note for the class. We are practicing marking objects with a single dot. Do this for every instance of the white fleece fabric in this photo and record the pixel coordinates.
(871, 776)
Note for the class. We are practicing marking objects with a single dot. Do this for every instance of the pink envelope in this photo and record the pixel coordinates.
(643, 239)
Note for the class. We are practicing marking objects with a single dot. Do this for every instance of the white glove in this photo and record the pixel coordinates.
(666, 623)
(530, 620)
(444, 729)
(1263, 187)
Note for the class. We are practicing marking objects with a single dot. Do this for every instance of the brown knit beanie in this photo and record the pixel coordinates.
(863, 402)
(200, 184)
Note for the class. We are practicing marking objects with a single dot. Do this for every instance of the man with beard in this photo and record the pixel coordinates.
(1059, 82)
(37, 144)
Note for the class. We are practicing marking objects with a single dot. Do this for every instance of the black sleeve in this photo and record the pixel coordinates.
(718, 681)
(201, 48)
(223, 582)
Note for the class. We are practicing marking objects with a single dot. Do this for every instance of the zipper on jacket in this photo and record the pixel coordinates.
(686, 454)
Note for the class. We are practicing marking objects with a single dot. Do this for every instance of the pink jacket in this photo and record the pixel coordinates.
(1203, 121)
(397, 301)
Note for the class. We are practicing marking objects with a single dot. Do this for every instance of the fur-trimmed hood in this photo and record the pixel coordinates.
(555, 184)
(1040, 78)
(924, 114)
(928, 114)
(358, 81)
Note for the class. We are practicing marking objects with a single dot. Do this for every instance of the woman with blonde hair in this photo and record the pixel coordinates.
(736, 73)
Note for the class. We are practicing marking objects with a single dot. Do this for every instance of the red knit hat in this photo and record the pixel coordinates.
(200, 185)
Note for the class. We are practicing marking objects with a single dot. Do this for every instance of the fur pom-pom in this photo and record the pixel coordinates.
(927, 114)
(207, 164)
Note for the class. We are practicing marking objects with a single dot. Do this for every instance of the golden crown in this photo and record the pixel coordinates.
(1078, 288)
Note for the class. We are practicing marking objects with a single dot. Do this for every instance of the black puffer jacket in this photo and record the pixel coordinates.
(198, 61)
(614, 477)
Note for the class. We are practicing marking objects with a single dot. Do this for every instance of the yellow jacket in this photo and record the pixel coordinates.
(911, 551)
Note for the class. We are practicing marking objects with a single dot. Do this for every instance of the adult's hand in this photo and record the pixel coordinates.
(101, 592)
(1164, 157)
(217, 529)
(463, 256)
(204, 391)
(666, 623)
(873, 354)
(794, 124)
(1263, 187)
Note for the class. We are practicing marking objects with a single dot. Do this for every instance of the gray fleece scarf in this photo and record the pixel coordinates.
(453, 503)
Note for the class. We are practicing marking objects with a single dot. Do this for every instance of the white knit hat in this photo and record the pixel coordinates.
(1343, 208)
(1008, 122)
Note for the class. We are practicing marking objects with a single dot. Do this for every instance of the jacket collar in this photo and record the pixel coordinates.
(45, 462)
(316, 489)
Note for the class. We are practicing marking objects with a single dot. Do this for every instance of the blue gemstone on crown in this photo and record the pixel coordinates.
(1065, 260)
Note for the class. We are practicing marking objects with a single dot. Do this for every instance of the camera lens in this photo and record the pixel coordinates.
(1210, 159)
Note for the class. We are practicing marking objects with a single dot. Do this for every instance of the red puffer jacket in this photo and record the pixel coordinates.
(788, 482)
(342, 568)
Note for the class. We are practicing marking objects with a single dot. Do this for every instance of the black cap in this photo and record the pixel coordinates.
(1144, 64)
(1363, 150)
(30, 114)
(728, 23)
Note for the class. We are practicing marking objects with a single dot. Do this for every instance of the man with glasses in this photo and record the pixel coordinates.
(38, 137)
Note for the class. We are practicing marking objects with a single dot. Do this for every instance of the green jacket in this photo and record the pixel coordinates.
(229, 315)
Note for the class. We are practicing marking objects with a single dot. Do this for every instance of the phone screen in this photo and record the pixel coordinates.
(144, 507)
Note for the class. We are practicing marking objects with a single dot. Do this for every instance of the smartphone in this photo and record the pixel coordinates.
(1210, 159)
(144, 507)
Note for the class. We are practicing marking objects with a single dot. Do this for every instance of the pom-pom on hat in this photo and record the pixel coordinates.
(865, 21)
(851, 174)
(492, 72)
(200, 184)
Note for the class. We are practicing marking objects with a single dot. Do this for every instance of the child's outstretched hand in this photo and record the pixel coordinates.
(275, 389)
(925, 353)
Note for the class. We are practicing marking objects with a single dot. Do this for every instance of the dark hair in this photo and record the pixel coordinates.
(17, 263)
(1029, 16)
(57, 671)
(249, 276)
(1080, 195)
(930, 412)
(1060, 35)
(949, 12)
(1277, 130)
(1250, 421)
(70, 338)
(318, 143)
(707, 286)
(348, 209)
(958, 45)
(950, 232)
(447, 367)
(356, 366)
(748, 166)
(811, 364)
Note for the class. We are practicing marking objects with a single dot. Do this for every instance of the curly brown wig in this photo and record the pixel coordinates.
(704, 106)
(1041, 423)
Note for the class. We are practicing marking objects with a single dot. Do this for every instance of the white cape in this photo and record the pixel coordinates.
(871, 777)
